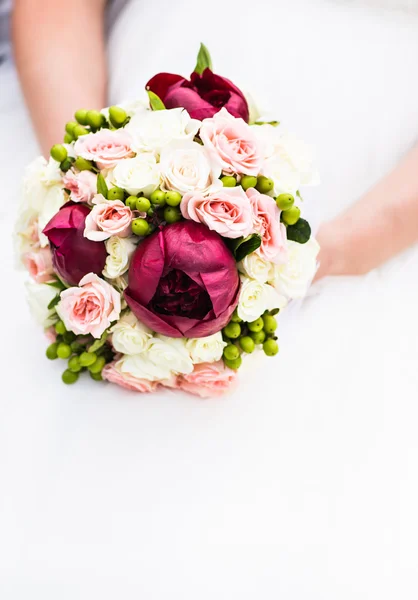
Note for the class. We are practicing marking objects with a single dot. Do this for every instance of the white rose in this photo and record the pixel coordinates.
(119, 252)
(255, 298)
(293, 278)
(129, 336)
(206, 349)
(153, 130)
(186, 167)
(139, 366)
(39, 295)
(139, 174)
(169, 355)
(257, 268)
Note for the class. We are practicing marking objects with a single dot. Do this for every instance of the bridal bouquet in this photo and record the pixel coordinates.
(164, 237)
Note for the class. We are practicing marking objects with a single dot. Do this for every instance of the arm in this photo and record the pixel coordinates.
(380, 225)
(60, 56)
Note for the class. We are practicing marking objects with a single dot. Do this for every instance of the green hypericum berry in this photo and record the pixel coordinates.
(69, 127)
(233, 364)
(264, 184)
(270, 347)
(232, 330)
(291, 216)
(87, 359)
(140, 227)
(98, 365)
(231, 352)
(229, 181)
(285, 201)
(258, 336)
(60, 328)
(256, 325)
(172, 198)
(82, 164)
(96, 376)
(131, 202)
(247, 344)
(69, 377)
(63, 350)
(74, 364)
(95, 119)
(79, 130)
(235, 318)
(158, 197)
(81, 116)
(142, 204)
(116, 193)
(270, 324)
(66, 165)
(172, 214)
(59, 153)
(51, 351)
(68, 138)
(248, 181)
(117, 116)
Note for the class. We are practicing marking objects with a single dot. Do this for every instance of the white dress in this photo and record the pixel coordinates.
(301, 485)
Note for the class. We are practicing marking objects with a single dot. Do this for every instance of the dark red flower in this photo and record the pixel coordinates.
(202, 96)
(73, 255)
(183, 281)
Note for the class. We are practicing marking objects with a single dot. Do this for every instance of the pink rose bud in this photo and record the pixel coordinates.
(208, 380)
(82, 186)
(128, 381)
(107, 218)
(267, 224)
(39, 264)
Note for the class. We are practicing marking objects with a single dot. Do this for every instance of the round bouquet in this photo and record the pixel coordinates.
(164, 237)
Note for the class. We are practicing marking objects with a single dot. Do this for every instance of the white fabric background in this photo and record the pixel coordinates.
(302, 484)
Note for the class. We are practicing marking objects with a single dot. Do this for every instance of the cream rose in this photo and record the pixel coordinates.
(170, 356)
(255, 298)
(114, 374)
(39, 295)
(140, 367)
(207, 349)
(119, 252)
(129, 336)
(139, 174)
(293, 278)
(256, 267)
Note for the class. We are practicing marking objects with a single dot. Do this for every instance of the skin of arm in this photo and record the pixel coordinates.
(59, 50)
(379, 226)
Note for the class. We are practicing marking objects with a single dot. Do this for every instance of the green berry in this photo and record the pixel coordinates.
(76, 347)
(68, 337)
(87, 359)
(66, 165)
(285, 201)
(158, 197)
(270, 324)
(96, 376)
(233, 364)
(98, 365)
(235, 318)
(116, 193)
(131, 202)
(247, 344)
(172, 214)
(63, 350)
(51, 351)
(117, 116)
(258, 336)
(229, 181)
(95, 119)
(270, 347)
(79, 130)
(248, 181)
(264, 184)
(256, 325)
(82, 164)
(59, 153)
(291, 216)
(68, 138)
(140, 227)
(232, 330)
(60, 328)
(74, 364)
(69, 127)
(142, 204)
(69, 377)
(231, 352)
(81, 116)
(172, 198)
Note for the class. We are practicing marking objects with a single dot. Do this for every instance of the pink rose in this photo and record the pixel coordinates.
(89, 308)
(267, 224)
(106, 147)
(82, 186)
(227, 211)
(39, 264)
(232, 144)
(51, 334)
(208, 380)
(126, 380)
(107, 218)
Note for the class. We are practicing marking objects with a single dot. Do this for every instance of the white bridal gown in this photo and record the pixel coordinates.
(302, 485)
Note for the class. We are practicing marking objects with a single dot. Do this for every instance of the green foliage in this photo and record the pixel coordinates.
(300, 232)
(204, 60)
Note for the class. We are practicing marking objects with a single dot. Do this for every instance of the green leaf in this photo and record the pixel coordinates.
(204, 60)
(244, 246)
(275, 312)
(155, 101)
(99, 343)
(101, 185)
(54, 302)
(273, 123)
(300, 232)
(58, 284)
